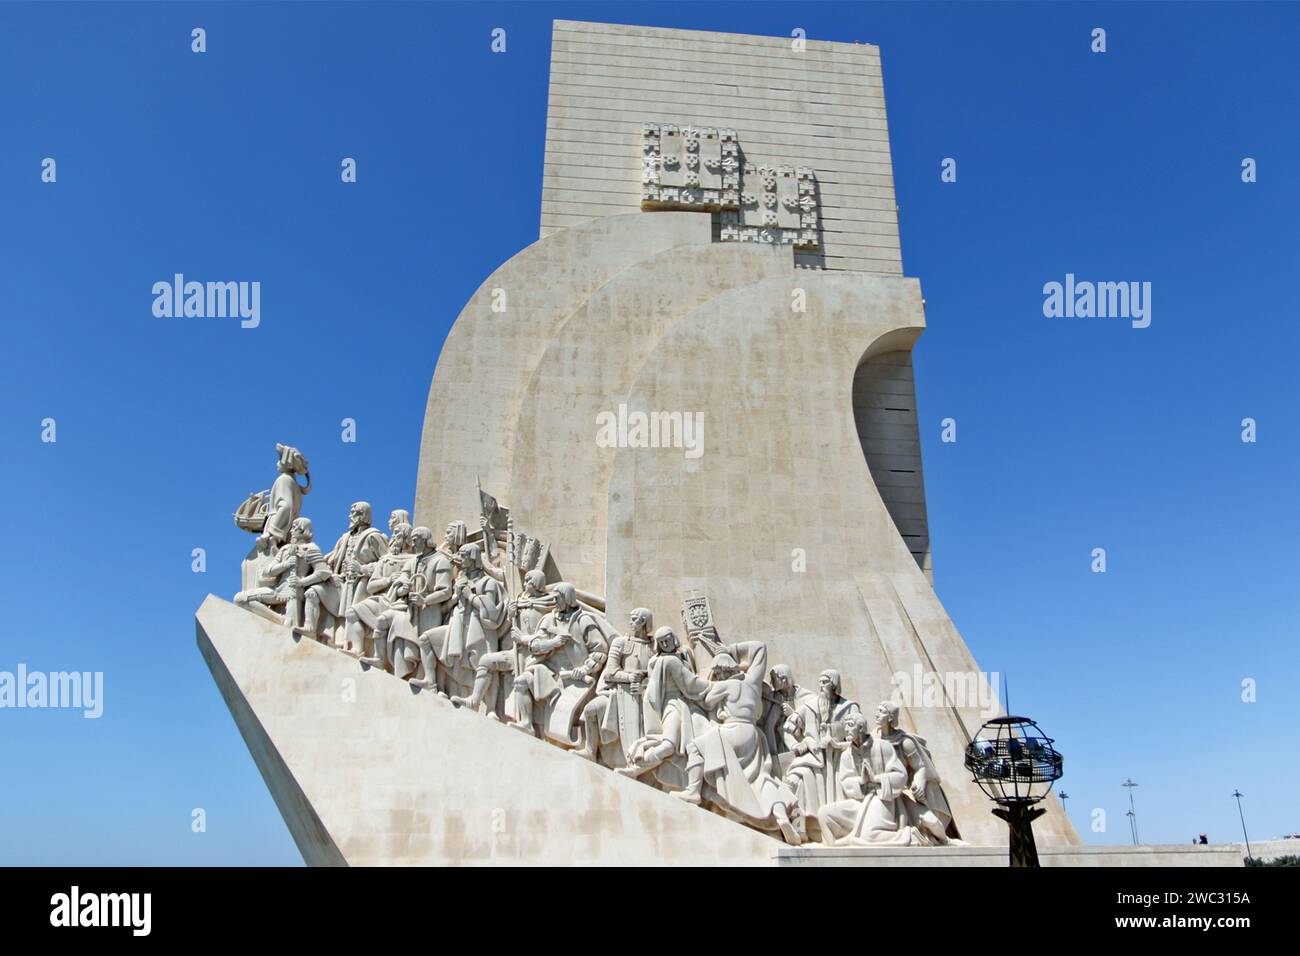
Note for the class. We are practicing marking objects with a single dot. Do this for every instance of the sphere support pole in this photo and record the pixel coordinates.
(1020, 819)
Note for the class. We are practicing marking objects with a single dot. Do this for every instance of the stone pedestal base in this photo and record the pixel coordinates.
(1173, 855)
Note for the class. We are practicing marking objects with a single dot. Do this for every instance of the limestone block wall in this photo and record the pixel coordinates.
(823, 107)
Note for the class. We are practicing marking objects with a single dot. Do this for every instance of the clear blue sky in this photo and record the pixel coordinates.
(1073, 434)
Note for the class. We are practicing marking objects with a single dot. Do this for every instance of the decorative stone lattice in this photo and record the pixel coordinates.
(699, 168)
(689, 167)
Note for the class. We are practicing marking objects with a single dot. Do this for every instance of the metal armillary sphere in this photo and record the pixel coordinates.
(1014, 762)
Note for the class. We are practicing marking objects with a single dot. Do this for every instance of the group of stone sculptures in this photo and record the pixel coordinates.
(474, 619)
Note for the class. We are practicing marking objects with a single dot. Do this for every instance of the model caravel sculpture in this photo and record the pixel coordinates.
(483, 619)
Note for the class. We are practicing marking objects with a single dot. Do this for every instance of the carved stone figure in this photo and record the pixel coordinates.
(558, 677)
(903, 801)
(546, 662)
(728, 766)
(524, 615)
(781, 698)
(352, 560)
(527, 610)
(296, 567)
(478, 622)
(835, 820)
(428, 574)
(814, 731)
(436, 603)
(285, 496)
(673, 719)
(386, 589)
(614, 719)
(399, 516)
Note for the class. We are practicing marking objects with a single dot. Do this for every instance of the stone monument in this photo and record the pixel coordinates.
(694, 399)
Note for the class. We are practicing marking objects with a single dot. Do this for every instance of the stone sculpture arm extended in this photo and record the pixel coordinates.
(752, 656)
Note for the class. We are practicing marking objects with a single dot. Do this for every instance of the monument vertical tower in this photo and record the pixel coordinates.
(697, 381)
(813, 104)
(719, 243)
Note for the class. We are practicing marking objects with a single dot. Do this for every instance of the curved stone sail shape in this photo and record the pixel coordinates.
(792, 516)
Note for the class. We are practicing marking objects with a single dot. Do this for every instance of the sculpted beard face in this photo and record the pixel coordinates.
(853, 726)
(827, 688)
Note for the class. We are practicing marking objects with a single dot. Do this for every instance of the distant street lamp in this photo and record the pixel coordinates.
(1238, 794)
(1015, 764)
(1132, 810)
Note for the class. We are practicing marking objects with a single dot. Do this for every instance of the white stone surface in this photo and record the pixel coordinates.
(488, 358)
(790, 518)
(427, 784)
(646, 310)
(823, 107)
(367, 771)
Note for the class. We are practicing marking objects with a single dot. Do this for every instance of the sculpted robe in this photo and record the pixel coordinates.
(774, 716)
(302, 561)
(624, 719)
(365, 546)
(834, 821)
(814, 771)
(285, 506)
(428, 574)
(891, 813)
(474, 630)
(738, 777)
(530, 611)
(560, 697)
(672, 717)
